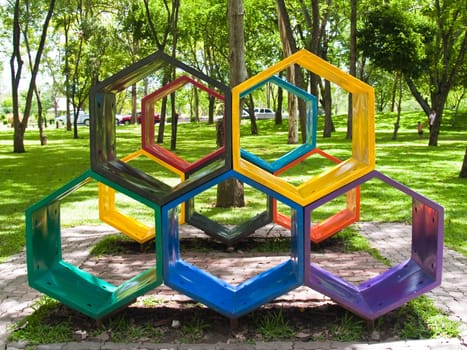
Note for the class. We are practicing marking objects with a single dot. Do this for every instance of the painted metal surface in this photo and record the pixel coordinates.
(81, 290)
(49, 273)
(229, 300)
(400, 283)
(147, 125)
(311, 118)
(103, 145)
(110, 214)
(324, 229)
(362, 160)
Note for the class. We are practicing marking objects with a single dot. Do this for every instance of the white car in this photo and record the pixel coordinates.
(83, 119)
(264, 113)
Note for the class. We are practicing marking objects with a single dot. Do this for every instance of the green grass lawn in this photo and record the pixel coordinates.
(432, 171)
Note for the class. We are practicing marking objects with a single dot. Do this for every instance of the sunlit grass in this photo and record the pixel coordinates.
(431, 171)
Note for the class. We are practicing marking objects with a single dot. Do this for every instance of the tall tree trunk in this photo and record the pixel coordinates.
(399, 107)
(40, 118)
(211, 108)
(463, 172)
(195, 113)
(280, 98)
(133, 103)
(230, 192)
(16, 64)
(251, 112)
(66, 28)
(352, 61)
(174, 125)
(327, 98)
(293, 72)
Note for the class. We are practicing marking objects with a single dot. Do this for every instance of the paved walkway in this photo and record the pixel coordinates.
(16, 297)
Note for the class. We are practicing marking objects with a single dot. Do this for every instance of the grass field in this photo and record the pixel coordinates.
(431, 171)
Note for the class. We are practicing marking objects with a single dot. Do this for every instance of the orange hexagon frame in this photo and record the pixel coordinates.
(333, 224)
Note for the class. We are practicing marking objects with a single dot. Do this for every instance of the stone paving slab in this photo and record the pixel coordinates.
(16, 297)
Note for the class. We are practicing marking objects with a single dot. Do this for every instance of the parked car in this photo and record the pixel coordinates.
(264, 113)
(125, 119)
(83, 119)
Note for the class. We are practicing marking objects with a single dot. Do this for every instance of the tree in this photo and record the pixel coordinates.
(16, 65)
(427, 46)
(230, 192)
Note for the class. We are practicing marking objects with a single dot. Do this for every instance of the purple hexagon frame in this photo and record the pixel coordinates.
(400, 283)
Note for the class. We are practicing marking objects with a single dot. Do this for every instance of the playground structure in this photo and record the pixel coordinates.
(173, 205)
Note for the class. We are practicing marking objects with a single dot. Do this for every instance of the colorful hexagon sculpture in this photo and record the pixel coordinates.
(81, 290)
(400, 283)
(110, 214)
(231, 301)
(147, 125)
(333, 224)
(103, 138)
(49, 273)
(360, 163)
(311, 123)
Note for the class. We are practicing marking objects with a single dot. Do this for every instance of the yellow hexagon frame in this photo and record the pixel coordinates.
(360, 163)
(129, 226)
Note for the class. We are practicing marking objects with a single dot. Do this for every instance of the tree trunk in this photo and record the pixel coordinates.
(212, 106)
(195, 114)
(463, 172)
(133, 103)
(327, 98)
(280, 97)
(289, 47)
(161, 129)
(230, 192)
(251, 112)
(16, 65)
(40, 119)
(399, 107)
(174, 125)
(352, 61)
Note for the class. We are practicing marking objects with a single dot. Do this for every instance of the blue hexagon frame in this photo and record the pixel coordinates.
(231, 301)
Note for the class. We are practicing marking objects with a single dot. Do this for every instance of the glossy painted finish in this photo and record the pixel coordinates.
(95, 297)
(326, 228)
(363, 140)
(229, 300)
(80, 290)
(311, 126)
(110, 214)
(103, 138)
(400, 283)
(147, 125)
(227, 235)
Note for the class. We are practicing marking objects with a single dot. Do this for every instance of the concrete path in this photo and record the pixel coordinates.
(17, 298)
